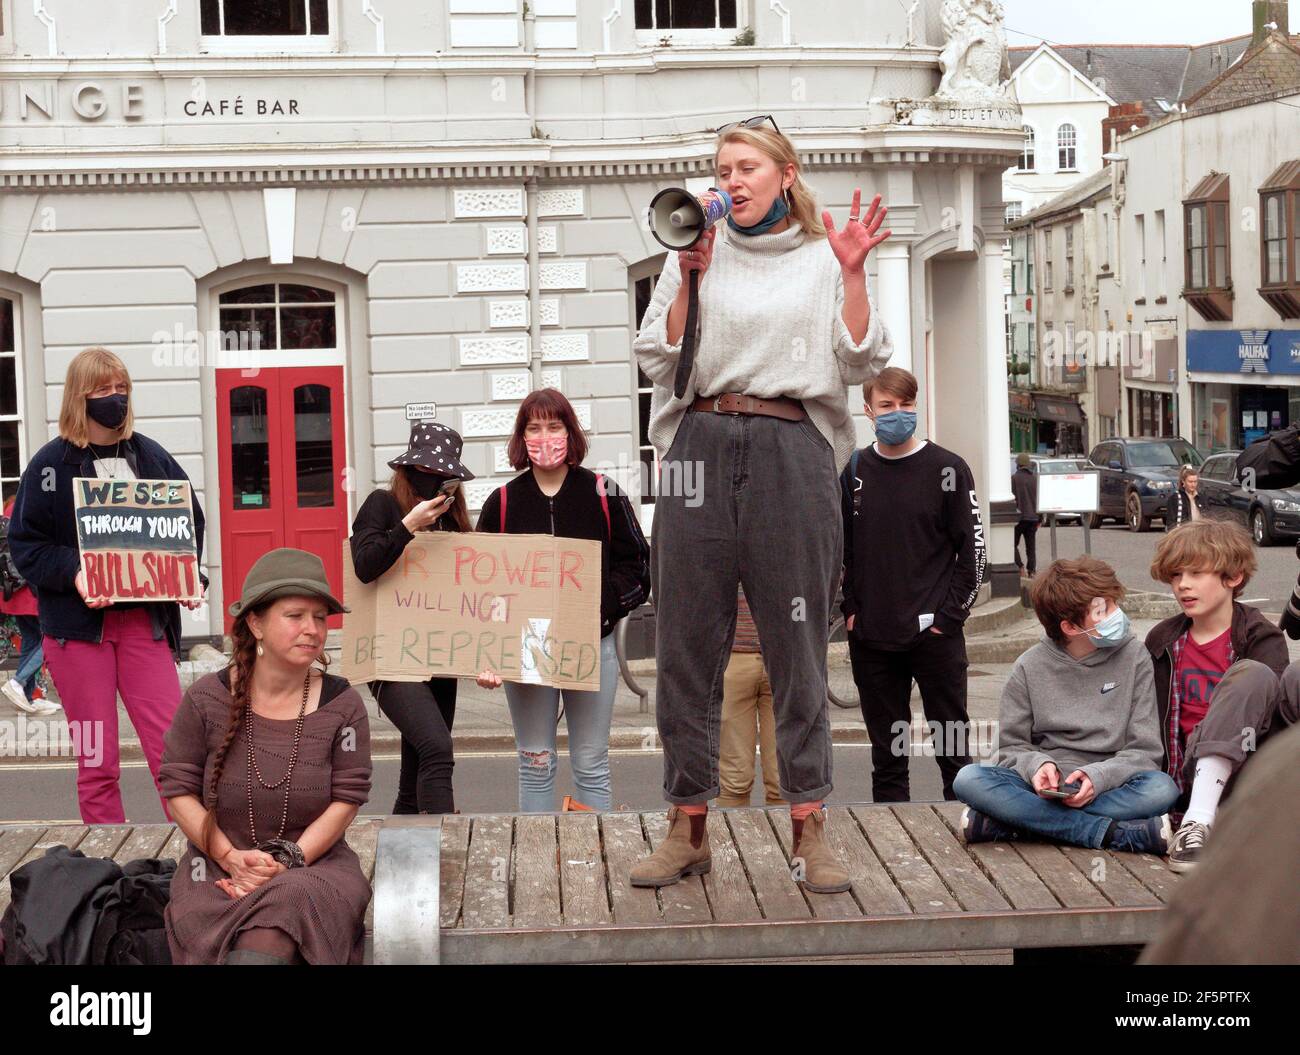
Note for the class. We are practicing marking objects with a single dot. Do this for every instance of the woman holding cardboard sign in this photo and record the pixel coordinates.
(96, 648)
(556, 496)
(424, 495)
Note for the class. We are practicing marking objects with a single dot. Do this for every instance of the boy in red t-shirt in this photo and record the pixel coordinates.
(1217, 667)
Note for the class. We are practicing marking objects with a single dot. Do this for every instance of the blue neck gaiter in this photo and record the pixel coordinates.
(775, 215)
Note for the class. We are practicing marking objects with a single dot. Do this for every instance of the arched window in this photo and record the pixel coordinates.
(1027, 163)
(278, 316)
(1067, 144)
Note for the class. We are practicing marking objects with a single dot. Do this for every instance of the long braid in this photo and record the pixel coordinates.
(242, 657)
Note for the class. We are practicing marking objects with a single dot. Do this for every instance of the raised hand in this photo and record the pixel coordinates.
(859, 236)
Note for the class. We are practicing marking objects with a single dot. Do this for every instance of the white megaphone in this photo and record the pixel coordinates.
(678, 218)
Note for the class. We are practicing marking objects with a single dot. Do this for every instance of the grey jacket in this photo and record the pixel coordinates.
(1097, 714)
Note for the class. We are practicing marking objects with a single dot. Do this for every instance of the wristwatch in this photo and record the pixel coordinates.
(287, 853)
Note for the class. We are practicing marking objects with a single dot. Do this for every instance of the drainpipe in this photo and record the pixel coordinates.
(530, 186)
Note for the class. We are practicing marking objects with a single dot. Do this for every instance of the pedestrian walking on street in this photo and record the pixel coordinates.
(914, 557)
(555, 495)
(1183, 507)
(18, 601)
(786, 325)
(425, 494)
(1024, 485)
(95, 648)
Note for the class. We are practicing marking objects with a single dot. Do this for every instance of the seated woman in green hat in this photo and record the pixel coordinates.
(264, 768)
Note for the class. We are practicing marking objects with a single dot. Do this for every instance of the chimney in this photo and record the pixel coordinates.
(1265, 12)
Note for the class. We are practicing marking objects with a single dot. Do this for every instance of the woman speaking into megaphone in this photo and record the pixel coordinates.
(786, 325)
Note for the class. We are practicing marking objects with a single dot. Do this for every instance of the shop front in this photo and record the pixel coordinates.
(1245, 384)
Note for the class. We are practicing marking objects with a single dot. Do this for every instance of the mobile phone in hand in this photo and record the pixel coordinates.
(1064, 791)
(449, 489)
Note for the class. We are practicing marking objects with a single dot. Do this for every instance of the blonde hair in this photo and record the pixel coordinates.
(1216, 546)
(87, 371)
(800, 199)
(1185, 472)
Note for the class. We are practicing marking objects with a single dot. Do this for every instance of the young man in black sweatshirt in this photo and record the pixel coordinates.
(914, 557)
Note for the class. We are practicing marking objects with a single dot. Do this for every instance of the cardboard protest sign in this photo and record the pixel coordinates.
(526, 607)
(137, 539)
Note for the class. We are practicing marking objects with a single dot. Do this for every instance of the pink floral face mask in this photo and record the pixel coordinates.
(548, 452)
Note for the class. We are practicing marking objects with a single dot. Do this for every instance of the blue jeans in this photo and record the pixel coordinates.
(1006, 796)
(32, 655)
(533, 711)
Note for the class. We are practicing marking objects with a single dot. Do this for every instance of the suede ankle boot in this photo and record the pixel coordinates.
(684, 853)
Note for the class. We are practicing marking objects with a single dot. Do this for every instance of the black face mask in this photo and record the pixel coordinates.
(425, 485)
(109, 411)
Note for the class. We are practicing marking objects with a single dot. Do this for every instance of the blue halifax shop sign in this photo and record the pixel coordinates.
(1243, 351)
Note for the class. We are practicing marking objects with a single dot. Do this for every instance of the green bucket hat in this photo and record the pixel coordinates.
(286, 573)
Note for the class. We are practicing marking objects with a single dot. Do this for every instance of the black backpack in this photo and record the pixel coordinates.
(10, 581)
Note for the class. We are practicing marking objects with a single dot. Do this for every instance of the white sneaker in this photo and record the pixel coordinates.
(14, 693)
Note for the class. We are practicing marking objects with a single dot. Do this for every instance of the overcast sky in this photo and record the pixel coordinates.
(1127, 21)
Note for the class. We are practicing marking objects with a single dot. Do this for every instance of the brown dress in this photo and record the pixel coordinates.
(322, 907)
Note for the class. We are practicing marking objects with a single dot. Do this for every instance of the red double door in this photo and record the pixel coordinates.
(282, 467)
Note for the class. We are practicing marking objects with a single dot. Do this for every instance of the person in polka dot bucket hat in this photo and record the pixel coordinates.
(418, 498)
(435, 448)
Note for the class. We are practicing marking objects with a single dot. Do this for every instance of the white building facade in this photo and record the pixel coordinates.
(1212, 239)
(445, 204)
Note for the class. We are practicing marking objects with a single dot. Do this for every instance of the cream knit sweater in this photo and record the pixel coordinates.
(770, 325)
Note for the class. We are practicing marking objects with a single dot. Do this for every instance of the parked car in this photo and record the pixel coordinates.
(1139, 474)
(1052, 463)
(1268, 515)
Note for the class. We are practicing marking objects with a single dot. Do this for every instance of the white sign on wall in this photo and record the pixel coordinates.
(421, 411)
(1069, 492)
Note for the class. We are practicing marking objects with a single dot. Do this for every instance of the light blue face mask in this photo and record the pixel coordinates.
(896, 427)
(1111, 631)
(775, 215)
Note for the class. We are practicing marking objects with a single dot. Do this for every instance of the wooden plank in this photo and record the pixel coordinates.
(958, 869)
(905, 863)
(625, 845)
(1070, 886)
(584, 895)
(487, 873)
(14, 844)
(145, 840)
(731, 898)
(455, 848)
(1115, 881)
(872, 887)
(175, 847)
(778, 894)
(69, 835)
(685, 900)
(1005, 868)
(536, 872)
(824, 906)
(104, 841)
(1151, 872)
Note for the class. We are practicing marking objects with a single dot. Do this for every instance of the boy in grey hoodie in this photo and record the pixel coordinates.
(1079, 748)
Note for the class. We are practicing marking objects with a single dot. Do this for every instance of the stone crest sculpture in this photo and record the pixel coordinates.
(974, 57)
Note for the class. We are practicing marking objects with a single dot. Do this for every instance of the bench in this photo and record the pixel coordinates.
(553, 887)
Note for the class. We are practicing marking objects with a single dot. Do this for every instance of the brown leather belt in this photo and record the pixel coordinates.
(734, 403)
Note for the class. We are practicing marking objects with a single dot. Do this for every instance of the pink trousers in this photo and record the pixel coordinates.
(89, 677)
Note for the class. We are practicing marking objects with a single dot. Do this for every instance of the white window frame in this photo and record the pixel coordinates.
(718, 35)
(275, 357)
(1072, 146)
(1028, 150)
(20, 383)
(1161, 277)
(1140, 228)
(274, 43)
(647, 499)
(1069, 255)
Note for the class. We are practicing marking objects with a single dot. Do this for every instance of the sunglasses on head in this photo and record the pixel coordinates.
(749, 122)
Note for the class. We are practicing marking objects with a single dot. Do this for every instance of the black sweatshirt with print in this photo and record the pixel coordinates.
(913, 545)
